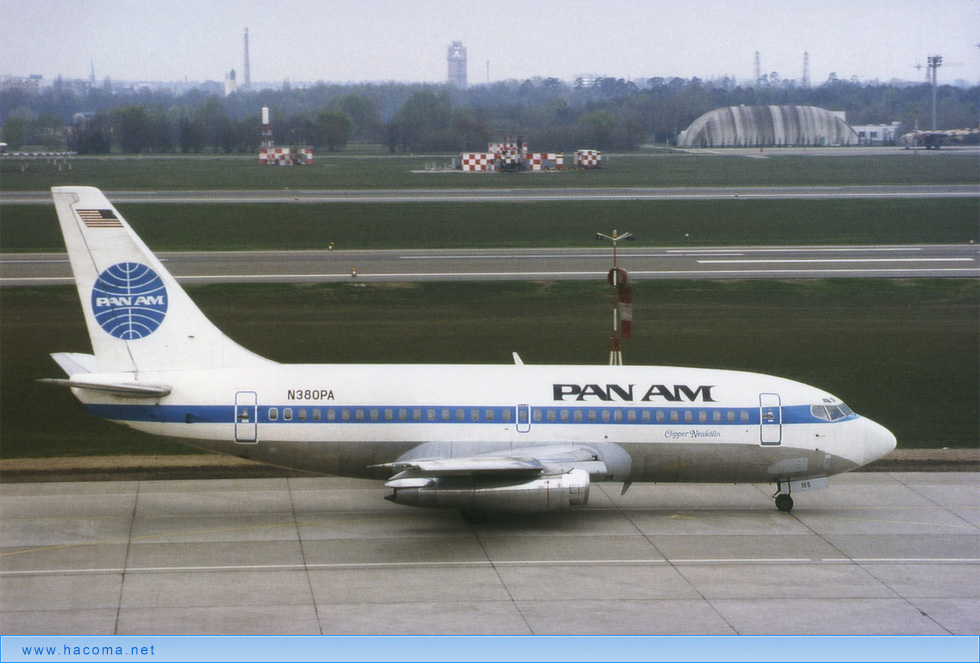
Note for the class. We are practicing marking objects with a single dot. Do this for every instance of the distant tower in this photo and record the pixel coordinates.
(457, 65)
(758, 70)
(230, 84)
(91, 76)
(246, 84)
(806, 70)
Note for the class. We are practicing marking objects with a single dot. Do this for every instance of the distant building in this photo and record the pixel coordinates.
(31, 84)
(765, 126)
(878, 134)
(230, 84)
(457, 65)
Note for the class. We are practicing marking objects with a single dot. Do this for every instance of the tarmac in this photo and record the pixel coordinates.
(883, 552)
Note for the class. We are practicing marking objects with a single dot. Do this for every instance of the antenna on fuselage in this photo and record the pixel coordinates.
(622, 300)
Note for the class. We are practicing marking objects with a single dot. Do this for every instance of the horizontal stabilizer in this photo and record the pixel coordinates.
(75, 363)
(124, 389)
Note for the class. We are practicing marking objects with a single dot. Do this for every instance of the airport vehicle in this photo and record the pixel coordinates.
(477, 438)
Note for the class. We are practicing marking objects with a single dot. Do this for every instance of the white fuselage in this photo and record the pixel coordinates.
(644, 423)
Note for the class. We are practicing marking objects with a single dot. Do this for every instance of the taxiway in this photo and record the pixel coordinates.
(904, 261)
(513, 195)
(877, 553)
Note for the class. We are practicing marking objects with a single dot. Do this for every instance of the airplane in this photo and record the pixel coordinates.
(477, 438)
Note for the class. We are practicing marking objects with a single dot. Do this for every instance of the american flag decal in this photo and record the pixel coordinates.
(99, 218)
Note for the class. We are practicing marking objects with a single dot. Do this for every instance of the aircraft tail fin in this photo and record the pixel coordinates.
(138, 317)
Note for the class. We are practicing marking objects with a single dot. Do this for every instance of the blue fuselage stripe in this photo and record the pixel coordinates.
(450, 414)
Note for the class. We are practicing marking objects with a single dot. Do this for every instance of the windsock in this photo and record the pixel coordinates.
(619, 279)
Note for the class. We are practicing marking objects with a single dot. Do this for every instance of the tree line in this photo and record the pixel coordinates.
(609, 114)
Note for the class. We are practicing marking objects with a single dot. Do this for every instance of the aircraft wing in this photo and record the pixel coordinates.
(526, 462)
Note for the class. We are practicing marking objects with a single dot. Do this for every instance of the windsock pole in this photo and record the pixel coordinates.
(622, 301)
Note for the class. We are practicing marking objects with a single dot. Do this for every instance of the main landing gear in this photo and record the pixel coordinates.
(783, 500)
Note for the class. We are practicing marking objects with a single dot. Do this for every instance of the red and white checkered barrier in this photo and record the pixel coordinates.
(285, 156)
(545, 161)
(588, 158)
(476, 161)
(498, 148)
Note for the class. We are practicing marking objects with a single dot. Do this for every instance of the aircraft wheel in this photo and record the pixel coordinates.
(474, 516)
(784, 502)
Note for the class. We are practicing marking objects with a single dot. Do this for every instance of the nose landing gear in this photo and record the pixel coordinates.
(783, 500)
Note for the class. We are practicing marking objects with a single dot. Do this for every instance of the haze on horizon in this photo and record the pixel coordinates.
(385, 40)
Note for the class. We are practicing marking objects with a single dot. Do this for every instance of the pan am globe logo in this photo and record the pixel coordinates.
(129, 301)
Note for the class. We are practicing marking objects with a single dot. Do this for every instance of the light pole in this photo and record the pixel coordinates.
(935, 62)
(622, 300)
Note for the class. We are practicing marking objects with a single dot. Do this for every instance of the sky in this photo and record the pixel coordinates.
(385, 40)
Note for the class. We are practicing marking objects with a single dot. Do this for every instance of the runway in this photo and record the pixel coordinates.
(905, 261)
(513, 195)
(877, 553)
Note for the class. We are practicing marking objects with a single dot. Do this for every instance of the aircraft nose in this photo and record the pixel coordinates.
(878, 441)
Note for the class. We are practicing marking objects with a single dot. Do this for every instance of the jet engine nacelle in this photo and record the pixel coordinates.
(547, 493)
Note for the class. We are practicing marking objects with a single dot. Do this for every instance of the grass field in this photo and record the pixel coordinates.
(905, 353)
(205, 227)
(345, 172)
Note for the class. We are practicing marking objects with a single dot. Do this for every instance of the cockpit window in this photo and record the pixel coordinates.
(830, 412)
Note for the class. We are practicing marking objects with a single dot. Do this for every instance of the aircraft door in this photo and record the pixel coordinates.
(770, 419)
(523, 418)
(246, 417)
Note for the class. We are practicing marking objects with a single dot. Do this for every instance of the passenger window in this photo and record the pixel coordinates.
(505, 414)
(631, 416)
(617, 416)
(489, 414)
(430, 414)
(744, 416)
(592, 415)
(552, 415)
(702, 416)
(273, 413)
(445, 414)
(674, 416)
(316, 414)
(646, 416)
(373, 413)
(731, 416)
(287, 414)
(389, 414)
(417, 414)
(605, 415)
(578, 415)
(359, 414)
(331, 414)
(716, 416)
(660, 415)
(460, 415)
(688, 416)
(345, 414)
(474, 415)
(301, 414)
(537, 414)
(402, 414)
(564, 415)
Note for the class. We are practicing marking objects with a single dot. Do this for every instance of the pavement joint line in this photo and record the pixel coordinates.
(734, 561)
